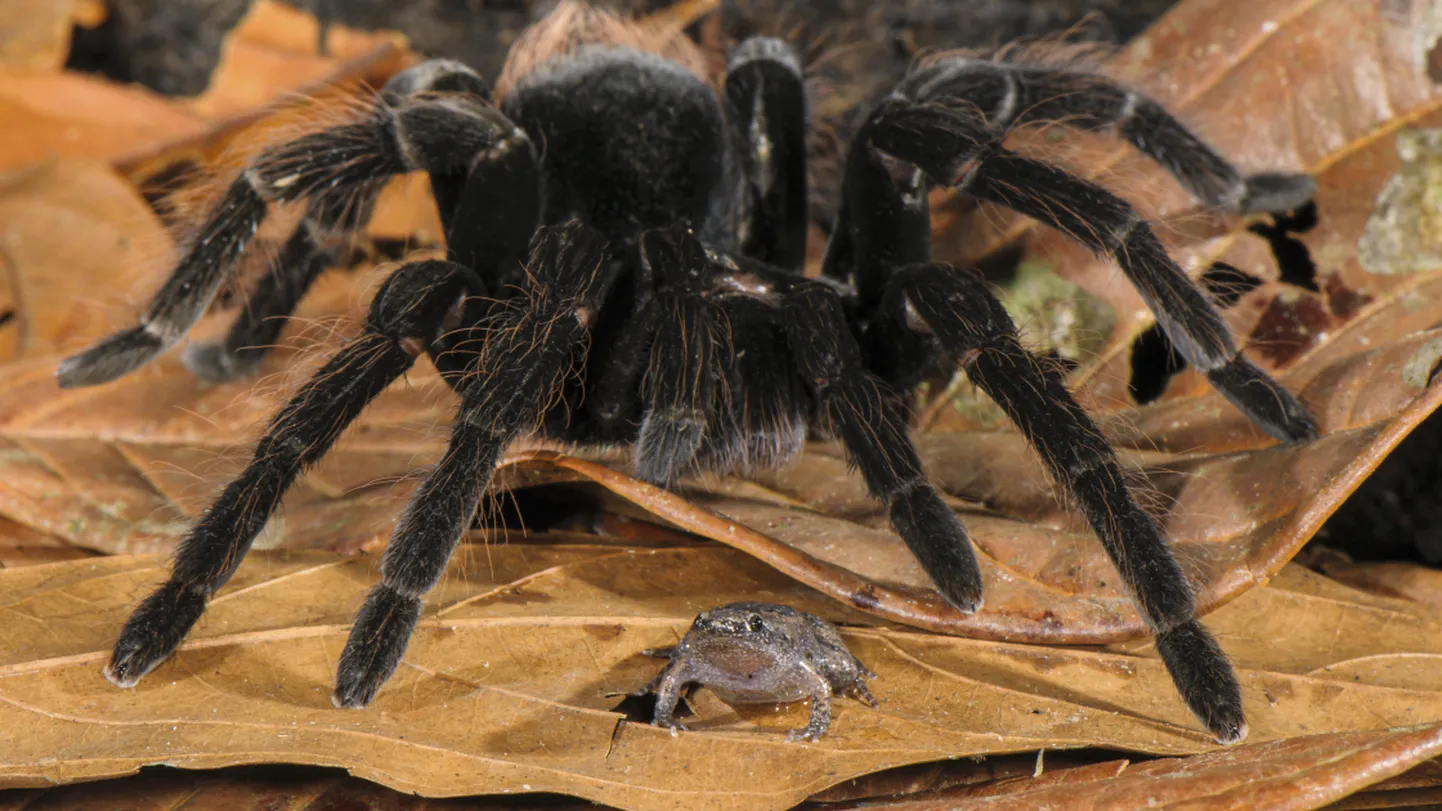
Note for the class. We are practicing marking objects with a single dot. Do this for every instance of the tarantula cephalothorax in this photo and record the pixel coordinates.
(625, 266)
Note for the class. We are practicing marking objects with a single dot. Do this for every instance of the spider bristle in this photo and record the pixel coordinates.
(573, 26)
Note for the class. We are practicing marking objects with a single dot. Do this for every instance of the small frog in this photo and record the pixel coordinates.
(761, 653)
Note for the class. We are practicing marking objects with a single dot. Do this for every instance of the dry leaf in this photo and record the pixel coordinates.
(273, 53)
(49, 114)
(1298, 773)
(1276, 86)
(36, 33)
(505, 687)
(55, 286)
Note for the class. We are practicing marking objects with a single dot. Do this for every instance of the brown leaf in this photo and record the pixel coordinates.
(50, 114)
(505, 686)
(107, 469)
(273, 53)
(1298, 773)
(36, 33)
(73, 236)
(1276, 86)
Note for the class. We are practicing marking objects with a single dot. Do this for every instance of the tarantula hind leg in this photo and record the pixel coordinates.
(528, 351)
(864, 412)
(405, 317)
(955, 148)
(972, 326)
(1012, 94)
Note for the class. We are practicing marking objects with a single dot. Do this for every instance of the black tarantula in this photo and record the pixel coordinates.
(625, 266)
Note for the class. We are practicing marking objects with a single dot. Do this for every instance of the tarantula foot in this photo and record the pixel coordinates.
(214, 363)
(1205, 680)
(667, 445)
(153, 632)
(941, 545)
(1266, 402)
(116, 356)
(377, 641)
(1276, 192)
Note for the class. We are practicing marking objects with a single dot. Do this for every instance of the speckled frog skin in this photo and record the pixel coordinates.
(762, 653)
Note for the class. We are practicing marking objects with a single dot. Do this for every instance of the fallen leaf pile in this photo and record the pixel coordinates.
(512, 682)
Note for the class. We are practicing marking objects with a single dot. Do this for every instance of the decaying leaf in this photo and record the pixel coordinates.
(507, 685)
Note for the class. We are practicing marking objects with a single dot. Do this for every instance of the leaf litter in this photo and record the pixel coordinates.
(125, 468)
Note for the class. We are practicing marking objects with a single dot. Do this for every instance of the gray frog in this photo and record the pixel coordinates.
(762, 653)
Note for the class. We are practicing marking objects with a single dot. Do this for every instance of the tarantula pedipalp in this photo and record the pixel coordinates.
(624, 266)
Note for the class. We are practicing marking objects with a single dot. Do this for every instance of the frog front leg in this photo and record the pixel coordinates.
(667, 687)
(820, 690)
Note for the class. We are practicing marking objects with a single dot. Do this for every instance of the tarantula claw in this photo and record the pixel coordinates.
(1276, 192)
(378, 639)
(153, 632)
(1205, 680)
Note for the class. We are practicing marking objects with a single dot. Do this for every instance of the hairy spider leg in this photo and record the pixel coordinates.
(865, 413)
(529, 349)
(953, 147)
(403, 320)
(762, 423)
(971, 324)
(270, 304)
(766, 110)
(1007, 95)
(436, 132)
(888, 223)
(689, 349)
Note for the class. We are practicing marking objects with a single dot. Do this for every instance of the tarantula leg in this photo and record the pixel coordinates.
(762, 424)
(613, 395)
(265, 313)
(403, 318)
(288, 172)
(1108, 225)
(301, 261)
(953, 148)
(971, 324)
(529, 350)
(864, 412)
(766, 98)
(436, 133)
(1012, 94)
(687, 355)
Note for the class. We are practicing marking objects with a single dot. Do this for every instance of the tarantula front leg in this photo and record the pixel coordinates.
(766, 108)
(866, 415)
(432, 117)
(953, 148)
(518, 371)
(406, 315)
(957, 308)
(1010, 94)
(689, 350)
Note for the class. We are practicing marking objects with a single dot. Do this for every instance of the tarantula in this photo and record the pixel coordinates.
(625, 254)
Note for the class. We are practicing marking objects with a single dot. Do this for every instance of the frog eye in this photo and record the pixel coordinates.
(755, 623)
